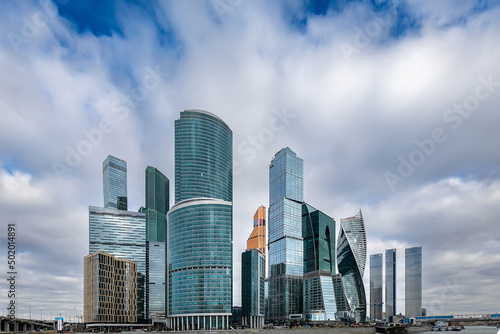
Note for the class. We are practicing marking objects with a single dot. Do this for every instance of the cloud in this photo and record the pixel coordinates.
(351, 118)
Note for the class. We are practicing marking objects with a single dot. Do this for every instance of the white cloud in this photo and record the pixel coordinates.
(351, 121)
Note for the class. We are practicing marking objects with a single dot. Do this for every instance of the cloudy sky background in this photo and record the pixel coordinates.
(351, 86)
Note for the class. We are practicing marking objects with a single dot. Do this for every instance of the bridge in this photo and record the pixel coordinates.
(15, 325)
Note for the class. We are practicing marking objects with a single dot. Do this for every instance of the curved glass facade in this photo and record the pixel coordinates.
(203, 157)
(200, 225)
(351, 259)
(200, 257)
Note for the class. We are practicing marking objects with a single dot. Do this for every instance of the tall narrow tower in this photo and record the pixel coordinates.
(286, 264)
(200, 224)
(157, 204)
(390, 283)
(376, 286)
(114, 173)
(253, 273)
(413, 282)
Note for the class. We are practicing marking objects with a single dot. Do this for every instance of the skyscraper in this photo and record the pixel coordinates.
(343, 309)
(286, 264)
(390, 283)
(257, 238)
(351, 259)
(376, 286)
(157, 205)
(110, 289)
(157, 191)
(122, 234)
(114, 172)
(200, 224)
(252, 288)
(253, 272)
(413, 282)
(318, 231)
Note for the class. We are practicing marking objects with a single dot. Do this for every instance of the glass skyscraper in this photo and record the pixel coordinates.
(252, 288)
(286, 263)
(413, 282)
(318, 231)
(343, 309)
(351, 259)
(157, 205)
(122, 234)
(257, 238)
(157, 192)
(114, 172)
(200, 224)
(155, 280)
(376, 286)
(390, 283)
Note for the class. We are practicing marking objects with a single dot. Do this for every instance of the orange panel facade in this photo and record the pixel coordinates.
(258, 237)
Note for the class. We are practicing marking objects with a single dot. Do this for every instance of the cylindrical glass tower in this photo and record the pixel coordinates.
(200, 224)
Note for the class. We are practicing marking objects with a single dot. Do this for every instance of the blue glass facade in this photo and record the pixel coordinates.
(318, 231)
(390, 283)
(157, 192)
(200, 225)
(376, 286)
(252, 288)
(351, 259)
(157, 204)
(286, 264)
(155, 280)
(122, 234)
(413, 282)
(114, 172)
(340, 299)
(319, 296)
(203, 157)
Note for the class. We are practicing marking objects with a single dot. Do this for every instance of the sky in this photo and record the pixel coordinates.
(393, 106)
